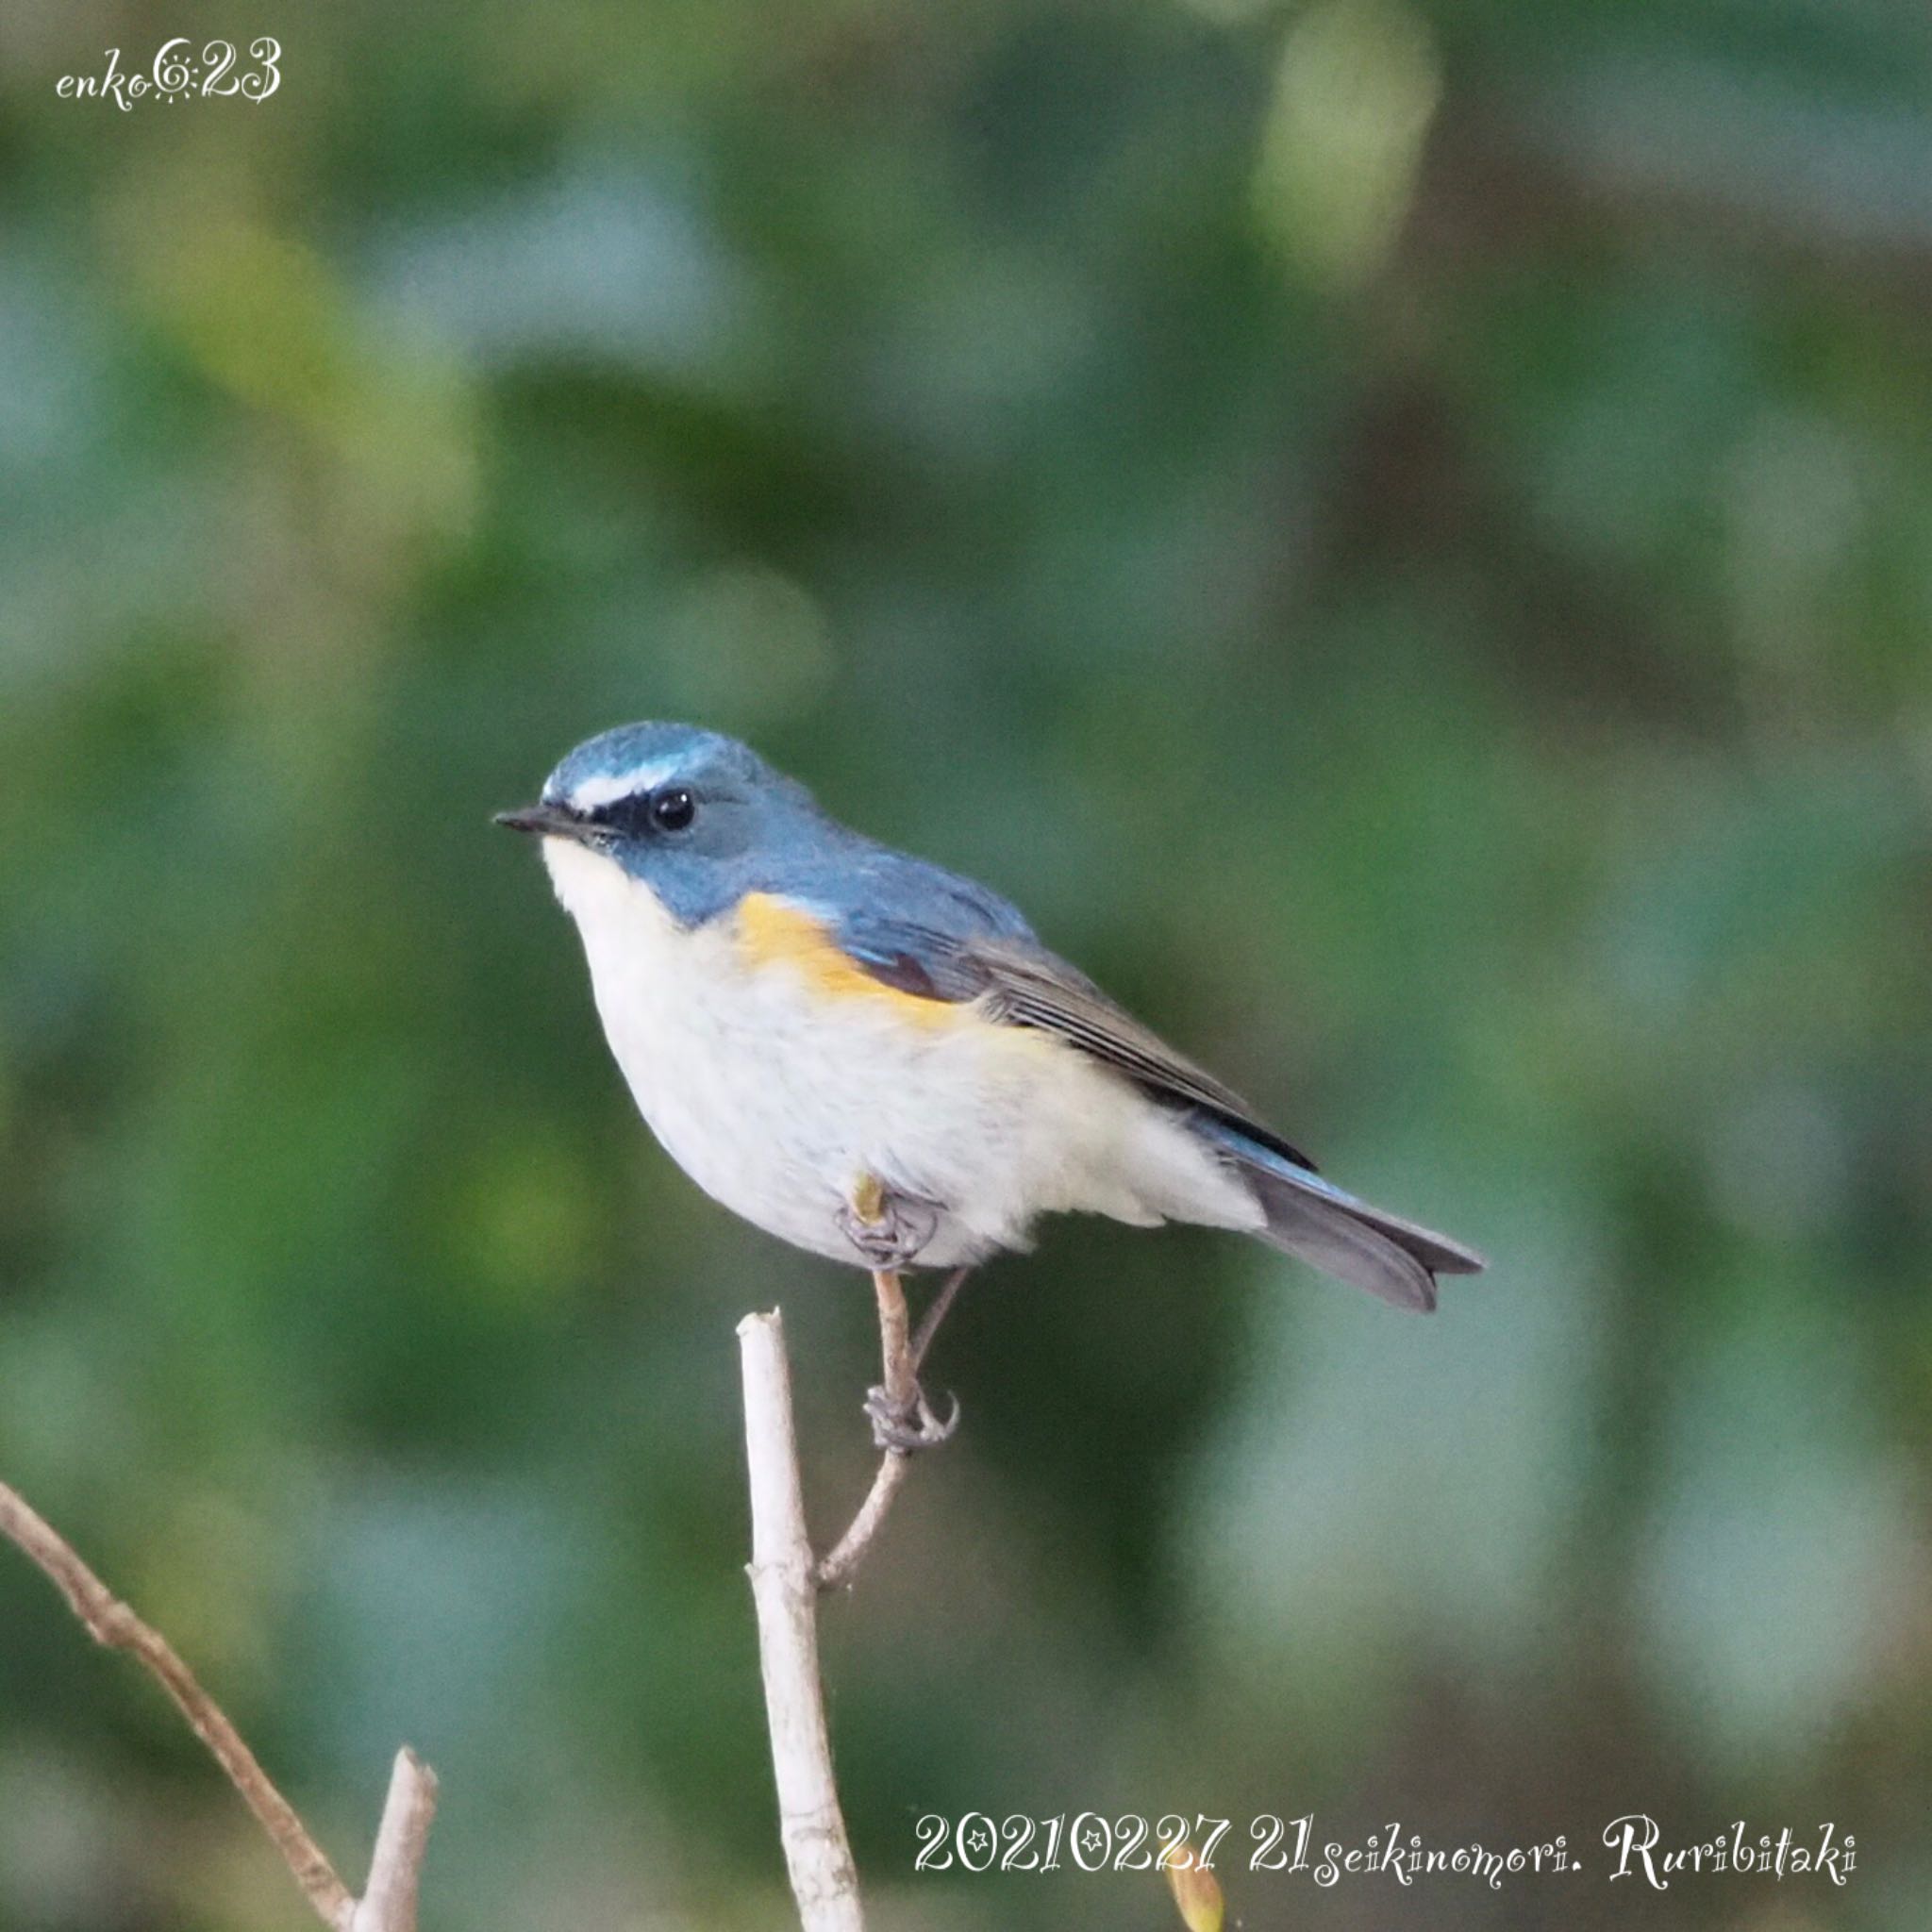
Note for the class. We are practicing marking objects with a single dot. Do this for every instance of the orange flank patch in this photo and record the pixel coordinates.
(772, 932)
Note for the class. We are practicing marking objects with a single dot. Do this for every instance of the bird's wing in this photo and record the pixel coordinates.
(1020, 983)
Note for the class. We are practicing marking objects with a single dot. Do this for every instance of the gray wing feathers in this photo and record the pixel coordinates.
(1032, 988)
(995, 960)
(1027, 986)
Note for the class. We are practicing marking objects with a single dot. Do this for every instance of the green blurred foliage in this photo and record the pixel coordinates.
(1402, 532)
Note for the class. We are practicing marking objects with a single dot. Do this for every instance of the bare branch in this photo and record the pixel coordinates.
(900, 1357)
(390, 1904)
(784, 1588)
(929, 1323)
(850, 1550)
(112, 1623)
(901, 1385)
(395, 1869)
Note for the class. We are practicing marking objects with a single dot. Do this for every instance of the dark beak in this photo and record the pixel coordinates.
(550, 821)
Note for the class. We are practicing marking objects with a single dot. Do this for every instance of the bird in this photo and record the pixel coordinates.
(877, 1060)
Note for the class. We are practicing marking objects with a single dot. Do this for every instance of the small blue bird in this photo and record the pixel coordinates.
(875, 1058)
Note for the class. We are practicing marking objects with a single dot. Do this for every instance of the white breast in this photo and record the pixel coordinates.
(776, 1098)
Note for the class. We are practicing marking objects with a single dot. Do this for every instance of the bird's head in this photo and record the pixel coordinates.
(689, 814)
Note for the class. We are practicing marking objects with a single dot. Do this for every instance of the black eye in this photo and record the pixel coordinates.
(671, 810)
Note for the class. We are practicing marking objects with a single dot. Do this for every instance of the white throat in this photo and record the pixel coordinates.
(595, 890)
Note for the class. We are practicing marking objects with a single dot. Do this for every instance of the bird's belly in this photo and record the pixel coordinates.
(782, 1112)
(779, 1105)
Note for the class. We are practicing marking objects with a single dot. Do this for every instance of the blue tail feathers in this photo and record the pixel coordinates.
(1324, 1225)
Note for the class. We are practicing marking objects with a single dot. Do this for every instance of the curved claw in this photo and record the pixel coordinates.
(910, 1428)
(935, 1431)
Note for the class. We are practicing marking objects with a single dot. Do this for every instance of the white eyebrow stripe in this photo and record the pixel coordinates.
(607, 786)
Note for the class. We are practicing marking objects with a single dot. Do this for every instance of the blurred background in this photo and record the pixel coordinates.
(1400, 531)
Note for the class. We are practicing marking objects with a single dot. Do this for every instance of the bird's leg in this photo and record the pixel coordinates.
(902, 1418)
(888, 1227)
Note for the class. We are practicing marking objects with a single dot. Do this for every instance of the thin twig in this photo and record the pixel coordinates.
(394, 1874)
(849, 1552)
(784, 1588)
(395, 1867)
(110, 1622)
(902, 1361)
(899, 1361)
(929, 1322)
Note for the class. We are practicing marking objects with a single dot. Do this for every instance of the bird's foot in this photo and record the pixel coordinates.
(888, 1228)
(911, 1424)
